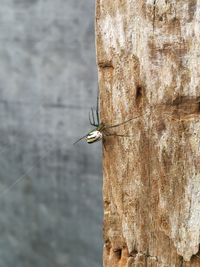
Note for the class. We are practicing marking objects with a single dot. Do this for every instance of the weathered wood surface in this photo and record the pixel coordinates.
(148, 53)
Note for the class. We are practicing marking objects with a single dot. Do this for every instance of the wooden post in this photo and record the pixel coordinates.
(148, 55)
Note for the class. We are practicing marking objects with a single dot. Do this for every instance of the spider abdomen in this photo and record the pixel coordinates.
(94, 136)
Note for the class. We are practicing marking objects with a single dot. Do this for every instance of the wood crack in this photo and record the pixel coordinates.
(154, 14)
(197, 255)
(181, 262)
(106, 64)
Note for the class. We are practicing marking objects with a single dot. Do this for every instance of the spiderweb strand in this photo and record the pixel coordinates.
(22, 177)
(7, 189)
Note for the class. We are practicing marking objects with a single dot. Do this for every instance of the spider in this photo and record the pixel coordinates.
(100, 129)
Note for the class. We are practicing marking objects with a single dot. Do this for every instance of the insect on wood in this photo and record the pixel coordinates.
(101, 129)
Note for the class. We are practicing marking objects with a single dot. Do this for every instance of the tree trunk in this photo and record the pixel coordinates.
(148, 53)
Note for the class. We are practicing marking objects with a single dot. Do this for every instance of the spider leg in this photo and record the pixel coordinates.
(116, 125)
(94, 122)
(97, 113)
(104, 146)
(91, 123)
(120, 135)
(106, 133)
(91, 119)
(97, 110)
(80, 139)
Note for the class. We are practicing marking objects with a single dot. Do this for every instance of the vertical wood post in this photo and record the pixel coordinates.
(148, 55)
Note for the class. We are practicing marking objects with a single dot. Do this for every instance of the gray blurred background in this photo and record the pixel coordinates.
(50, 190)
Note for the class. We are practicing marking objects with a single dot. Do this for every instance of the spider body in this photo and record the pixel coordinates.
(100, 129)
(96, 134)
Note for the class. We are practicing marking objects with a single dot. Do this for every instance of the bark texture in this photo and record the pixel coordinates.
(148, 53)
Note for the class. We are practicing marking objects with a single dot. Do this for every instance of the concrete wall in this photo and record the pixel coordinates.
(50, 190)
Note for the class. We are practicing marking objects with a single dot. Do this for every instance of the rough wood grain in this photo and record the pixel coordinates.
(148, 53)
